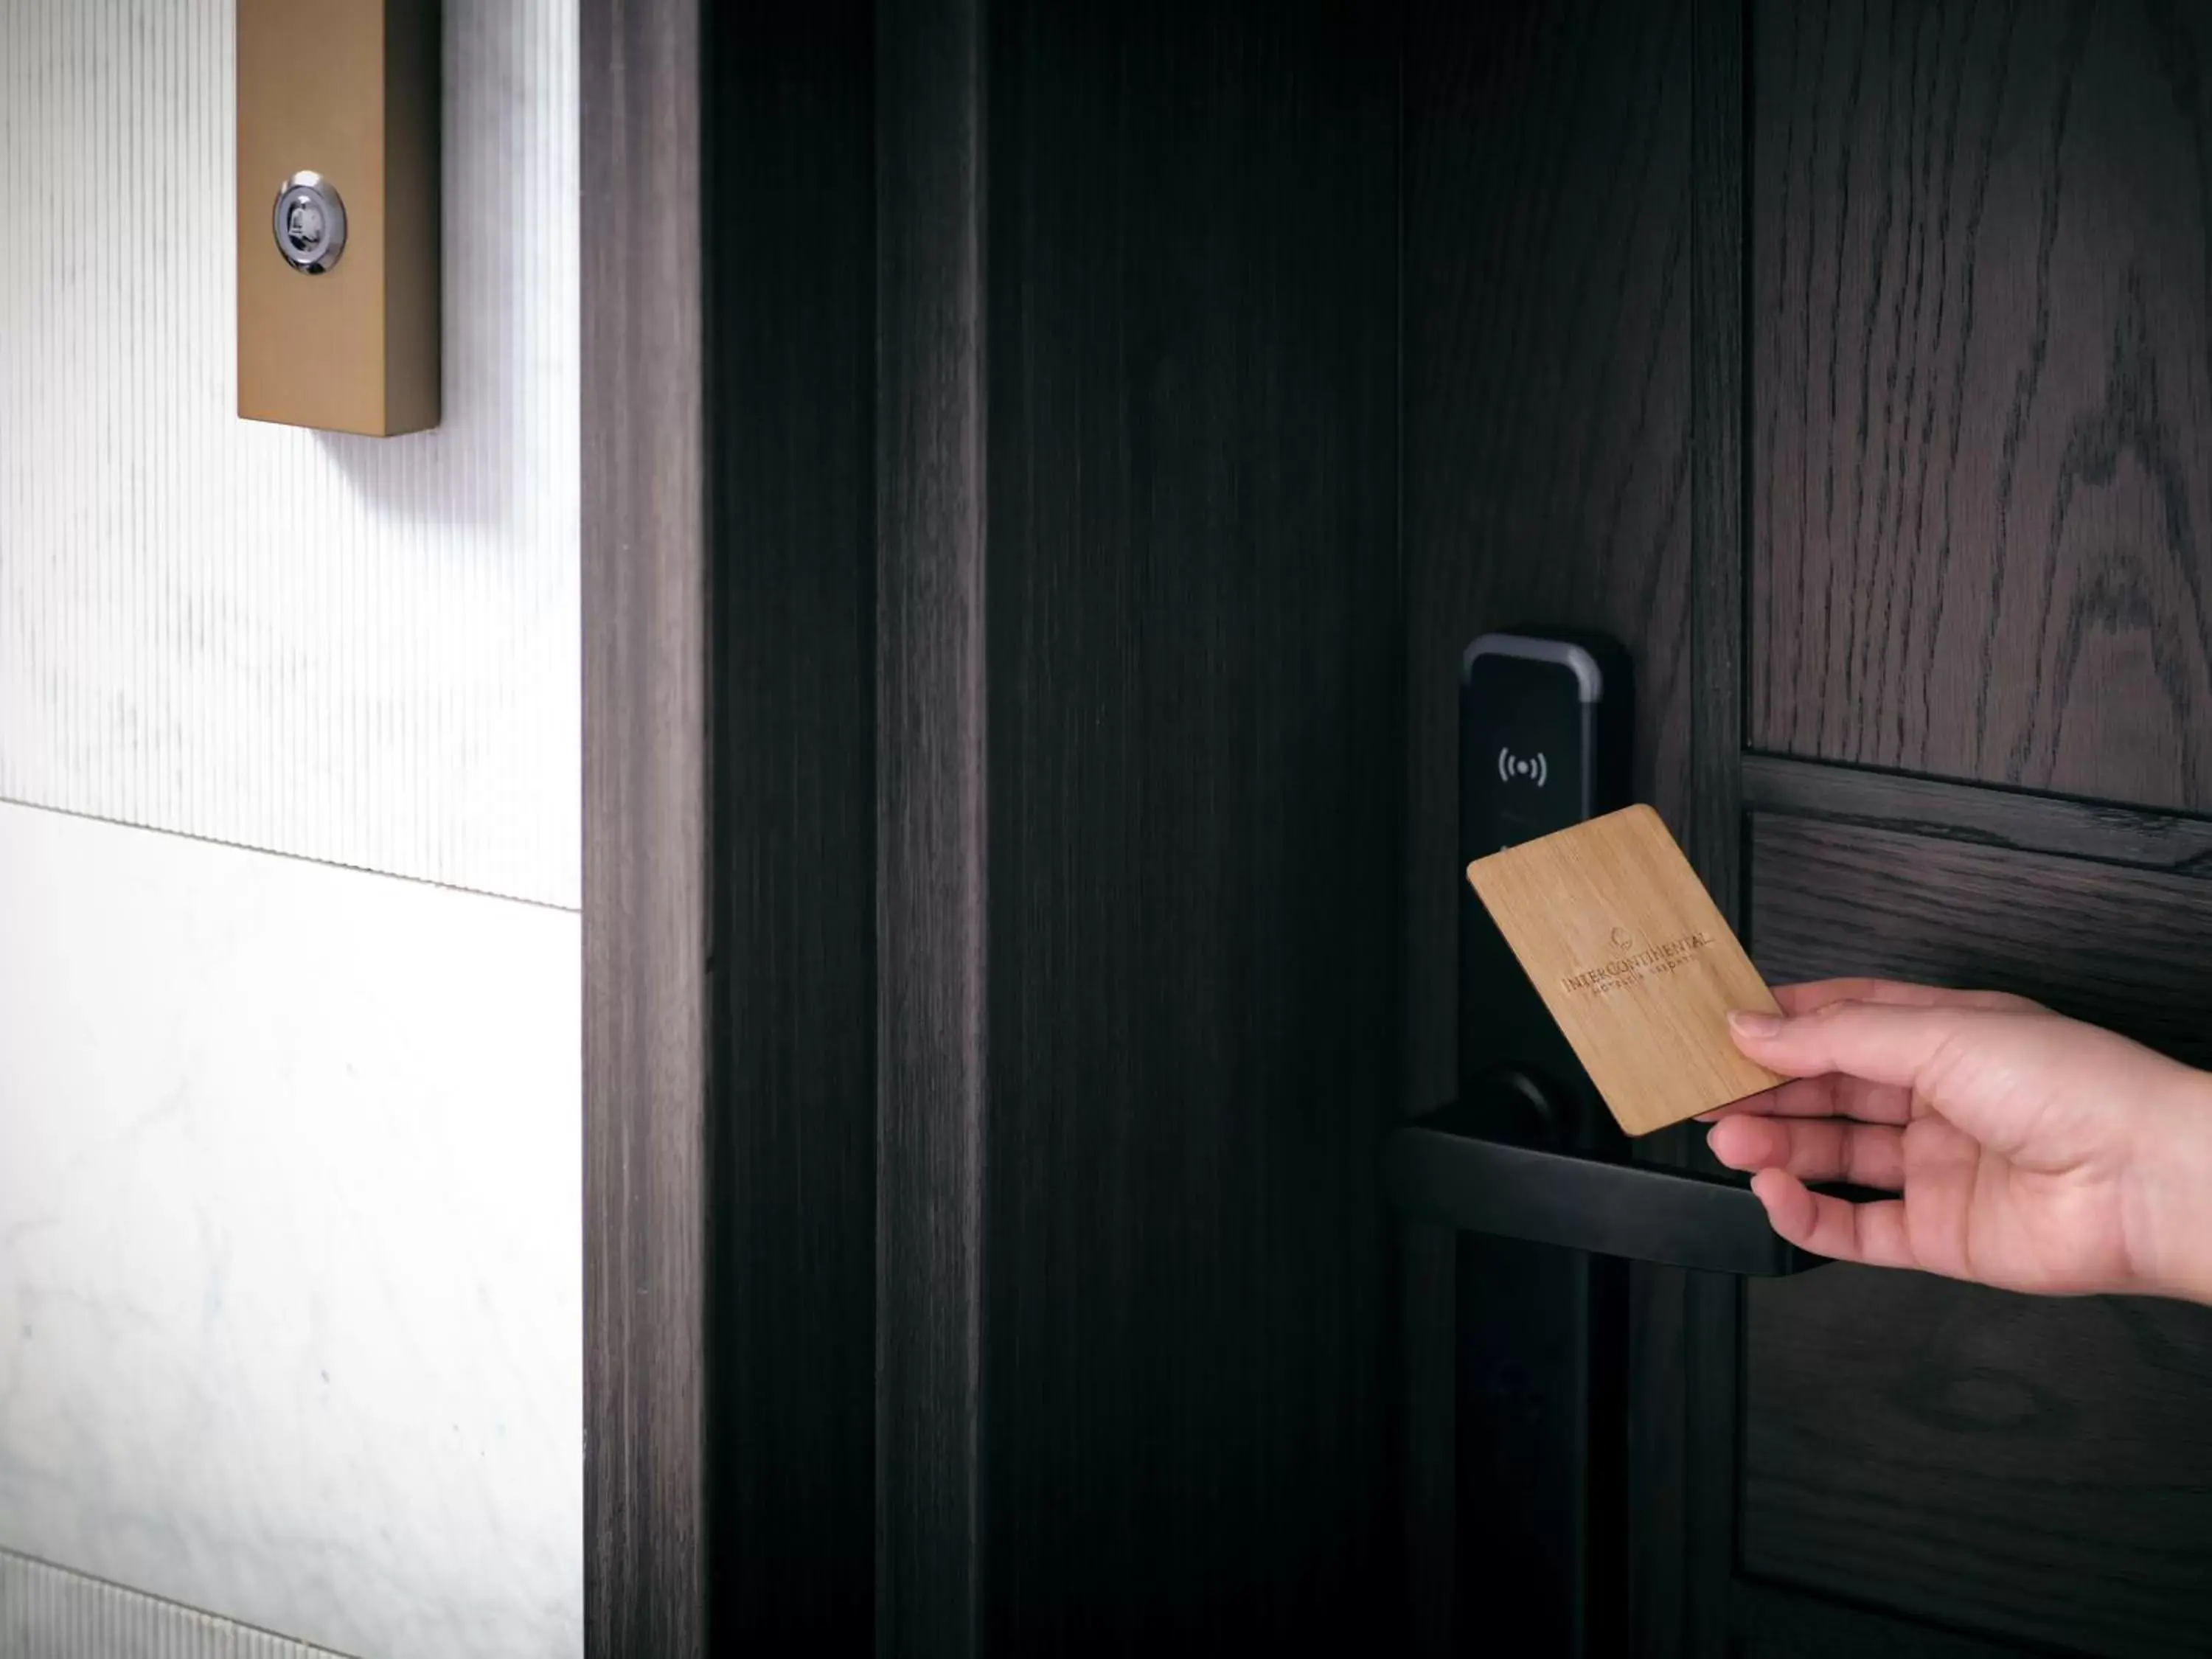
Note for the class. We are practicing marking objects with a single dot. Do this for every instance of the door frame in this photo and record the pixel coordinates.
(646, 830)
(729, 819)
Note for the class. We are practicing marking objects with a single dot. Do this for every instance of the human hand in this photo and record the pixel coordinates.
(2031, 1151)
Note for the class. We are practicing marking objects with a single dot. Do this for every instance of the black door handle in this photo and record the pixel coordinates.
(1456, 1168)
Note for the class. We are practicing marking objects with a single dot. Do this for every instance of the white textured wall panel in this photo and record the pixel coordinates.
(291, 1267)
(355, 650)
(50, 1613)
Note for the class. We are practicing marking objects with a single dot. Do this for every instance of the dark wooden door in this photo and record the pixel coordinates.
(1045, 462)
(1854, 364)
(1980, 540)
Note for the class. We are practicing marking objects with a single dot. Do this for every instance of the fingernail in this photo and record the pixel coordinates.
(1747, 1022)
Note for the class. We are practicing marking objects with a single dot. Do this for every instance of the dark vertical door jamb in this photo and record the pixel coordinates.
(647, 837)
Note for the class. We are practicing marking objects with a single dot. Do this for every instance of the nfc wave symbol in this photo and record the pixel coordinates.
(1511, 766)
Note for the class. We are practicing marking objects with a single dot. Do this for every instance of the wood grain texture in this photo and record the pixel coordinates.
(647, 835)
(1981, 304)
(2095, 830)
(2127, 949)
(1547, 395)
(1778, 1621)
(932, 709)
(1546, 467)
(1713, 833)
(1634, 961)
(2040, 1469)
(1708, 1372)
(789, 169)
(1194, 844)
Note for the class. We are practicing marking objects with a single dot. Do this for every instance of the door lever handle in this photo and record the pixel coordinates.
(1454, 1167)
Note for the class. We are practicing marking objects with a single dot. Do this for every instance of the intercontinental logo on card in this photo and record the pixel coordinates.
(1634, 963)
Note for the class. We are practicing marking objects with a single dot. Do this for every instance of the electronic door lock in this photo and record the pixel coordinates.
(1529, 1150)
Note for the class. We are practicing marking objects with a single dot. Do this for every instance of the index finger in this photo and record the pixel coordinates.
(1801, 1096)
(1841, 1095)
(1805, 998)
(1830, 1094)
(1826, 1094)
(1903, 1047)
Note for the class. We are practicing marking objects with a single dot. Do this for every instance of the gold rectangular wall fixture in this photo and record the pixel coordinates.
(337, 214)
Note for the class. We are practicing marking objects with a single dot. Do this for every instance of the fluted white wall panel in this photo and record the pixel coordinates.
(50, 1613)
(354, 650)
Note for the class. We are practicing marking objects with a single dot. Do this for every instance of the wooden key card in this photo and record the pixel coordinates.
(1632, 958)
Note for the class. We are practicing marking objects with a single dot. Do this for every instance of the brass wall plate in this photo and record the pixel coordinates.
(1635, 961)
(337, 168)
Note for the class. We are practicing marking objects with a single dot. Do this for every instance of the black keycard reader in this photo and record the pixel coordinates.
(1545, 722)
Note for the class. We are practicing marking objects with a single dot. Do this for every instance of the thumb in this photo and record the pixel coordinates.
(1884, 1042)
